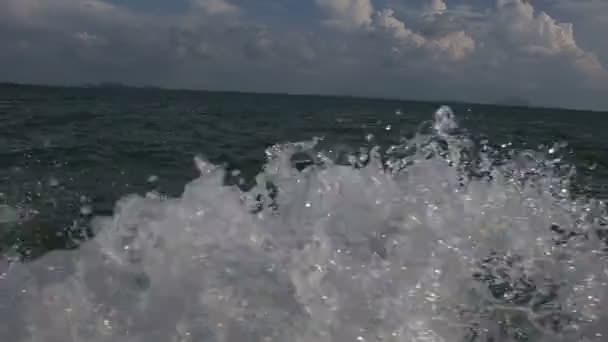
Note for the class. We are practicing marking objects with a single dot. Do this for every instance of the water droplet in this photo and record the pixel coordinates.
(86, 210)
(444, 120)
(152, 179)
(153, 195)
(53, 182)
(308, 204)
(202, 165)
(388, 127)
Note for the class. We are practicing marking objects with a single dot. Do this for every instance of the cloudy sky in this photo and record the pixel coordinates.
(551, 52)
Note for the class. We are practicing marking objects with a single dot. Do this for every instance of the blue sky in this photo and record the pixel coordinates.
(551, 52)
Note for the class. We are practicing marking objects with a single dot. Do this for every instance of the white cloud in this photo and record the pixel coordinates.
(454, 45)
(386, 20)
(435, 7)
(465, 52)
(457, 45)
(358, 14)
(590, 64)
(542, 36)
(347, 14)
(591, 20)
(535, 33)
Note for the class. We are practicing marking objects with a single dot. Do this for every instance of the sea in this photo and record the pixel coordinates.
(142, 214)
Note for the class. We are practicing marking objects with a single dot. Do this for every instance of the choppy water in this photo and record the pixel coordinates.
(403, 223)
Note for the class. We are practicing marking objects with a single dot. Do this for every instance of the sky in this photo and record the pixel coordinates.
(549, 52)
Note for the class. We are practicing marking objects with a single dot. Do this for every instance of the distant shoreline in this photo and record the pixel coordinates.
(509, 102)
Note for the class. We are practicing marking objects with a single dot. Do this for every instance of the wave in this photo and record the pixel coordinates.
(436, 239)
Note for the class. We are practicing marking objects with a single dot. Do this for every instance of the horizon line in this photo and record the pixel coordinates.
(119, 85)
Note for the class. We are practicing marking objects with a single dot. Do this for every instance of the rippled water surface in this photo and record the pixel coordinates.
(149, 215)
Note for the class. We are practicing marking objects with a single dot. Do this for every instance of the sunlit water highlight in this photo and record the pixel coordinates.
(438, 239)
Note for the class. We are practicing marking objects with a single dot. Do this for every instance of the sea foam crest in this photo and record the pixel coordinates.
(435, 241)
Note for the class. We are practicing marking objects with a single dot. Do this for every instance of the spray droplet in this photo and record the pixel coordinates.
(86, 210)
(202, 165)
(54, 182)
(388, 127)
(153, 195)
(444, 120)
(152, 179)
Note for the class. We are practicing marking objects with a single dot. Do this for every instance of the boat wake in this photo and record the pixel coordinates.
(435, 239)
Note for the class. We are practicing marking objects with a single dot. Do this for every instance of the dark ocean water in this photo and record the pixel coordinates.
(67, 155)
(61, 144)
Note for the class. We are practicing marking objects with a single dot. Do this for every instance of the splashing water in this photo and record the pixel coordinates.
(438, 239)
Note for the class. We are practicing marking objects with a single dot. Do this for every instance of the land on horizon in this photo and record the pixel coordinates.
(509, 101)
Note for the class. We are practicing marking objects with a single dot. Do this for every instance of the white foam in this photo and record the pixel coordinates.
(408, 250)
